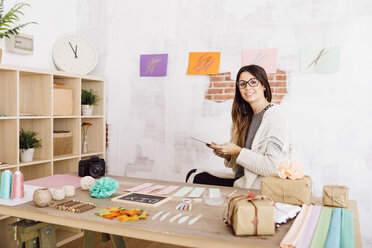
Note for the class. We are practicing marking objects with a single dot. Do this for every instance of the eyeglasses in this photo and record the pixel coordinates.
(253, 82)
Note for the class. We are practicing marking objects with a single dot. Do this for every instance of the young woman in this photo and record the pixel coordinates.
(260, 136)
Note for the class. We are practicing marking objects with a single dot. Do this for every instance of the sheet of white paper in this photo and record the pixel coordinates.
(29, 192)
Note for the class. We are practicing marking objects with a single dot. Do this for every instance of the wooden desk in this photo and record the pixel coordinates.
(209, 231)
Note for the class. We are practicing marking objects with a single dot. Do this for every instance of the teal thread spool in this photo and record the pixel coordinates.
(6, 184)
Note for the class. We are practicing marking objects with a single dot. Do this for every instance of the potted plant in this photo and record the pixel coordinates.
(27, 143)
(7, 26)
(89, 99)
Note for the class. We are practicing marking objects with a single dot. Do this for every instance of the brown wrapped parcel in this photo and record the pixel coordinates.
(249, 216)
(335, 196)
(296, 192)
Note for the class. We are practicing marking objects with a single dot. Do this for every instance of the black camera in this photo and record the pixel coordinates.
(93, 167)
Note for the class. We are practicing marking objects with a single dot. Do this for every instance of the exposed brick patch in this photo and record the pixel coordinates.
(222, 87)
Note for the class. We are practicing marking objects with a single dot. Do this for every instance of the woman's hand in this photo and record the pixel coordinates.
(225, 150)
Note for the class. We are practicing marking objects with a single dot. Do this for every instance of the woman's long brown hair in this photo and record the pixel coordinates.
(242, 111)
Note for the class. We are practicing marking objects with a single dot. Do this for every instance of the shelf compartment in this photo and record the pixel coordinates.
(36, 171)
(72, 125)
(96, 136)
(98, 87)
(8, 93)
(74, 84)
(35, 94)
(66, 166)
(43, 129)
(65, 235)
(8, 141)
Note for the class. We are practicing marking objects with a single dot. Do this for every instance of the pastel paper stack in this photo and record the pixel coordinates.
(317, 226)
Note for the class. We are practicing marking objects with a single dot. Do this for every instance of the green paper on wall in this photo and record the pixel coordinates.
(324, 59)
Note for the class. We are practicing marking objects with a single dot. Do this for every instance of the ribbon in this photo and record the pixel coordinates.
(228, 214)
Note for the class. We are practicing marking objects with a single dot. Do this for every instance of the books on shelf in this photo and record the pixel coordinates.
(4, 164)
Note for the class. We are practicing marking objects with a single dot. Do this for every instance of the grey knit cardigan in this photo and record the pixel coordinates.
(271, 144)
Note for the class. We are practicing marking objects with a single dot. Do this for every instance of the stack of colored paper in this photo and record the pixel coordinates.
(317, 226)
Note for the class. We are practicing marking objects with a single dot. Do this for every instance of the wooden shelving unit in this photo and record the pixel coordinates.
(26, 101)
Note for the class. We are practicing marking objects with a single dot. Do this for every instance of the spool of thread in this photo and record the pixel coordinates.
(58, 194)
(17, 186)
(87, 182)
(42, 197)
(6, 184)
(69, 190)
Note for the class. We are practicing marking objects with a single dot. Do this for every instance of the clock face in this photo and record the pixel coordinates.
(74, 53)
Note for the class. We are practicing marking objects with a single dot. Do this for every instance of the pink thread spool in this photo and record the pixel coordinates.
(17, 186)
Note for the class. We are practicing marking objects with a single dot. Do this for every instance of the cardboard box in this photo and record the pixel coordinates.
(296, 192)
(335, 196)
(62, 100)
(250, 217)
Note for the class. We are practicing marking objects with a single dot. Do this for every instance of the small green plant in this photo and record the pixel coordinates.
(89, 97)
(7, 26)
(28, 139)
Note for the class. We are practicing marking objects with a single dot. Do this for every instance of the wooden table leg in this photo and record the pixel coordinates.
(88, 241)
(48, 236)
(117, 241)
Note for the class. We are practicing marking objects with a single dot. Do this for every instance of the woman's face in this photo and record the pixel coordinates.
(251, 93)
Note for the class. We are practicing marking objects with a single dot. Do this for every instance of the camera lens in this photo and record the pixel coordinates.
(95, 170)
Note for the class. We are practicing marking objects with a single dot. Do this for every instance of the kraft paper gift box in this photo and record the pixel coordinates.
(250, 217)
(62, 100)
(335, 196)
(296, 192)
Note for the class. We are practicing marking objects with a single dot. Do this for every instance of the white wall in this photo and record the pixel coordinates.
(54, 18)
(151, 118)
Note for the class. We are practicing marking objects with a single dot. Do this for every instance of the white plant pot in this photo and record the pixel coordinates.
(27, 155)
(87, 110)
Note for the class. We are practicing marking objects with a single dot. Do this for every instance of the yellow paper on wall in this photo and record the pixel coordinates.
(203, 63)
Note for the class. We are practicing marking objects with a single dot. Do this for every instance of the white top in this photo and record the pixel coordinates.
(271, 144)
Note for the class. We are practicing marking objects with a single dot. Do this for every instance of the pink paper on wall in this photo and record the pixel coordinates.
(55, 181)
(266, 58)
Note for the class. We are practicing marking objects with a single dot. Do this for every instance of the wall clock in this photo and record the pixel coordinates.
(74, 53)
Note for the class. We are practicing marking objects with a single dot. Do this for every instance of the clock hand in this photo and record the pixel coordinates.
(76, 52)
(73, 49)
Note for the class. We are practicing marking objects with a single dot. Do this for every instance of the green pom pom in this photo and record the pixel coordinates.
(104, 187)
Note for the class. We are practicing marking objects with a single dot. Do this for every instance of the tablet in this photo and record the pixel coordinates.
(202, 141)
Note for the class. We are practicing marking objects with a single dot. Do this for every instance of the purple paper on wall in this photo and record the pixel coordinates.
(153, 65)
